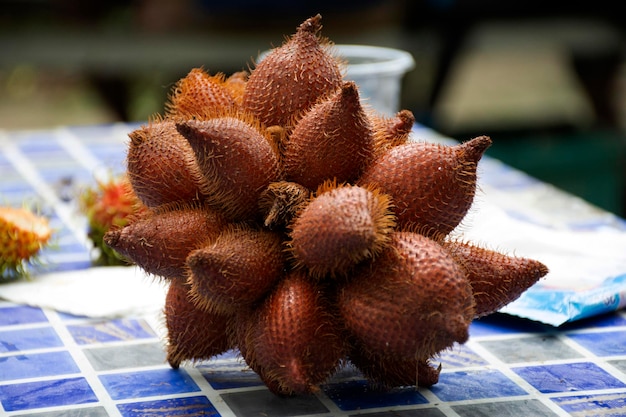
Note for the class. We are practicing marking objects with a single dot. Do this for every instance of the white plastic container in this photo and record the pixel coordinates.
(378, 71)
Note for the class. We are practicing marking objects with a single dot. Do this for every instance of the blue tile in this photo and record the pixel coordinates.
(227, 379)
(460, 356)
(40, 394)
(602, 343)
(357, 395)
(188, 406)
(111, 331)
(471, 385)
(608, 405)
(568, 377)
(21, 315)
(26, 339)
(36, 365)
(148, 383)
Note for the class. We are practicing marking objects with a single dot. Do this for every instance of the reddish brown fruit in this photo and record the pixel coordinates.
(412, 302)
(292, 77)
(392, 131)
(340, 228)
(161, 165)
(496, 279)
(199, 94)
(193, 334)
(432, 185)
(295, 341)
(236, 160)
(393, 371)
(334, 140)
(237, 269)
(160, 243)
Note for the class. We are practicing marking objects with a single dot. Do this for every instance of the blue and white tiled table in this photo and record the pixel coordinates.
(55, 364)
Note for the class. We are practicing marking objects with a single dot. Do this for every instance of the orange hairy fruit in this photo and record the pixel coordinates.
(161, 165)
(199, 94)
(295, 340)
(193, 334)
(236, 160)
(497, 279)
(340, 228)
(432, 185)
(292, 77)
(22, 235)
(161, 242)
(413, 302)
(334, 140)
(236, 269)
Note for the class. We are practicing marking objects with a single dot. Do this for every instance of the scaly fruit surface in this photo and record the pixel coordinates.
(22, 235)
(328, 242)
(292, 77)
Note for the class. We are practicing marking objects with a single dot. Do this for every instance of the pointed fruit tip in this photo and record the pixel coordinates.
(311, 25)
(475, 148)
(112, 237)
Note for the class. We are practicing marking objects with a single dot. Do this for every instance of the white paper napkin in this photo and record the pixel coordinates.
(93, 292)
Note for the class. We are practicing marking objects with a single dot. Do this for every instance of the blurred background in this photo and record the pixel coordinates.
(545, 79)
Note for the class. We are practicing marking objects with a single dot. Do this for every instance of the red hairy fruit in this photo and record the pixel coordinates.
(339, 228)
(237, 269)
(187, 340)
(334, 140)
(161, 242)
(413, 302)
(432, 185)
(497, 279)
(292, 77)
(161, 165)
(295, 342)
(236, 160)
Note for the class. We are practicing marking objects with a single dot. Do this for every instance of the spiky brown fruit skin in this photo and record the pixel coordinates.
(294, 339)
(236, 160)
(199, 94)
(292, 77)
(496, 279)
(237, 269)
(22, 235)
(333, 128)
(193, 334)
(432, 185)
(161, 165)
(388, 371)
(161, 242)
(340, 228)
(392, 131)
(413, 302)
(339, 280)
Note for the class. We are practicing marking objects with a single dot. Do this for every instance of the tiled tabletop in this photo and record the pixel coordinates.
(55, 364)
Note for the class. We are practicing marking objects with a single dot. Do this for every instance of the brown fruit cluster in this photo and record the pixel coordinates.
(303, 229)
